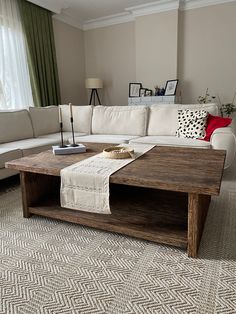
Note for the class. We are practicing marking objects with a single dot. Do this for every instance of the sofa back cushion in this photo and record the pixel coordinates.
(210, 108)
(125, 120)
(15, 125)
(45, 120)
(163, 119)
(82, 116)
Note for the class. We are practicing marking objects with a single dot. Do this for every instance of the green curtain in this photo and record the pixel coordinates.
(38, 29)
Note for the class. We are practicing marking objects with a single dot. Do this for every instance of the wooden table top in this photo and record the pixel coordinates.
(189, 170)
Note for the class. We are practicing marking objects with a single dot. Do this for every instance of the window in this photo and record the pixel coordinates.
(15, 88)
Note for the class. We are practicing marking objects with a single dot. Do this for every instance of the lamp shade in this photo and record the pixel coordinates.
(93, 83)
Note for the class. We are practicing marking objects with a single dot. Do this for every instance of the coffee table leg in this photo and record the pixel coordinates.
(198, 205)
(33, 187)
(25, 194)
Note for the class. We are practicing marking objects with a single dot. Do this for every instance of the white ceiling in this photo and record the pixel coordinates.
(93, 9)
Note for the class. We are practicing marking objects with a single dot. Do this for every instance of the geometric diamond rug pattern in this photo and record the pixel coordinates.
(53, 267)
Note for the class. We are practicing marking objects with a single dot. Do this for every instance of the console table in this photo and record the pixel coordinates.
(151, 100)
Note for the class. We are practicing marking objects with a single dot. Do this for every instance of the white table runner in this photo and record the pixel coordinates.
(85, 185)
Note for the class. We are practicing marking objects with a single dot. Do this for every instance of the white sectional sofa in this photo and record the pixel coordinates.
(26, 132)
(154, 125)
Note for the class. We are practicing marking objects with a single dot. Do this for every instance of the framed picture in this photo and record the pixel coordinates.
(142, 92)
(148, 92)
(134, 89)
(171, 87)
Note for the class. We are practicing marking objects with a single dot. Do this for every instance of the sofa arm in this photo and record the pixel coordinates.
(224, 138)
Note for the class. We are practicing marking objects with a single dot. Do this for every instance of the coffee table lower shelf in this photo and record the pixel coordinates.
(168, 217)
(146, 223)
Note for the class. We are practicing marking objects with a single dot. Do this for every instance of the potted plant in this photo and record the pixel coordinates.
(229, 108)
(207, 98)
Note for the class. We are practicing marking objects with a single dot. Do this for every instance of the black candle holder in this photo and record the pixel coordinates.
(73, 133)
(62, 141)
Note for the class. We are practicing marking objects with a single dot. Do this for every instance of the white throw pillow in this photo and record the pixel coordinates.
(192, 124)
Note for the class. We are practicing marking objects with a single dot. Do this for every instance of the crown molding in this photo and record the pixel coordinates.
(195, 4)
(130, 13)
(68, 20)
(108, 21)
(153, 7)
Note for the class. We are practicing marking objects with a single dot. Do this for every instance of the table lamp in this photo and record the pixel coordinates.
(94, 84)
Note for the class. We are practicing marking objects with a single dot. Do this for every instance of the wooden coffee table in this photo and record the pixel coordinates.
(162, 196)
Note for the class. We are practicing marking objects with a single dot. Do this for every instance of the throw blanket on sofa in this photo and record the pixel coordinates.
(85, 185)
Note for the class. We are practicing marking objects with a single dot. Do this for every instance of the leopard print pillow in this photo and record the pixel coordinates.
(192, 123)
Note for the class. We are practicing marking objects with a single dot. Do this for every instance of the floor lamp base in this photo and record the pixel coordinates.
(93, 96)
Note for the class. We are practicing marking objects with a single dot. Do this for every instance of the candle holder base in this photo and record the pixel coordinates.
(67, 150)
(74, 145)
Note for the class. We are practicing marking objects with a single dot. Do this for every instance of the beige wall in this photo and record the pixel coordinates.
(156, 48)
(207, 51)
(110, 55)
(198, 46)
(133, 52)
(69, 43)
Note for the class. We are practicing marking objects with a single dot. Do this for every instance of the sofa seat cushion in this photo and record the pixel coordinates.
(45, 120)
(127, 120)
(7, 154)
(172, 141)
(5, 173)
(57, 136)
(31, 146)
(15, 125)
(99, 138)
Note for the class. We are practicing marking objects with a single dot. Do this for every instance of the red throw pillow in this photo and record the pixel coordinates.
(213, 123)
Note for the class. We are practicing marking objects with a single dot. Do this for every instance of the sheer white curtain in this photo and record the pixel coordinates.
(15, 88)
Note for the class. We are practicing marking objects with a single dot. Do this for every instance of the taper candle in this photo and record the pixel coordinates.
(61, 128)
(60, 115)
(71, 113)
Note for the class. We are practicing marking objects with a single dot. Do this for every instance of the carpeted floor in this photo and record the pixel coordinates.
(47, 266)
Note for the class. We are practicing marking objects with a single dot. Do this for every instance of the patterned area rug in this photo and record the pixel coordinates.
(48, 266)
